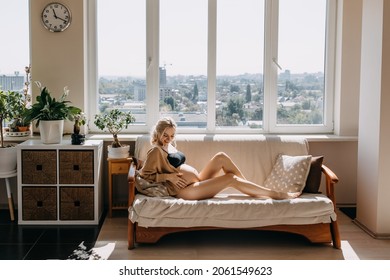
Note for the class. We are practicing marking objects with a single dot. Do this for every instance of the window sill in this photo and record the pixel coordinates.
(309, 137)
(133, 137)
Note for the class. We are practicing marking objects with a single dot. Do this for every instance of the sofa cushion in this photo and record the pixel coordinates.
(231, 211)
(254, 154)
(289, 173)
(313, 180)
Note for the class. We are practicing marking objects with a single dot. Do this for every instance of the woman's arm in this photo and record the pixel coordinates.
(158, 170)
(155, 168)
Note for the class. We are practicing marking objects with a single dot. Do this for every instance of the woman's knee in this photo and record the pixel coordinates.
(222, 157)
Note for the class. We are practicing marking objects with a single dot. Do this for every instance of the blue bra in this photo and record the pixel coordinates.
(176, 159)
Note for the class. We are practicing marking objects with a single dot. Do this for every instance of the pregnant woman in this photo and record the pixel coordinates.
(165, 168)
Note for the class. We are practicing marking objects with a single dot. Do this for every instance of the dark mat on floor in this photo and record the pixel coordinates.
(349, 211)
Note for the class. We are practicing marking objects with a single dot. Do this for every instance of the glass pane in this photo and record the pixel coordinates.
(240, 49)
(302, 58)
(122, 56)
(14, 49)
(183, 61)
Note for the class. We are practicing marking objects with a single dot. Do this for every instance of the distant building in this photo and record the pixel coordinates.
(13, 83)
(165, 92)
(139, 90)
(163, 76)
(285, 76)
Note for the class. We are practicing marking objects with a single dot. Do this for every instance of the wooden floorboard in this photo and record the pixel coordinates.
(244, 245)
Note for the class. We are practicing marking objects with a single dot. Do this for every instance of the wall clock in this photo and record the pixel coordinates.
(56, 17)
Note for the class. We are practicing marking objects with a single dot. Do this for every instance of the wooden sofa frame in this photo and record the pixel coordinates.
(315, 233)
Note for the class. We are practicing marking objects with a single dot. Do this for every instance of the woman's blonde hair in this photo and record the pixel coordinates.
(159, 129)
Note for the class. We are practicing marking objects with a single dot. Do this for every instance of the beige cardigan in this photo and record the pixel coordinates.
(152, 178)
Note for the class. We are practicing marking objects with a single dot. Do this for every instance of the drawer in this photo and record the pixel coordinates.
(39, 167)
(76, 203)
(120, 168)
(76, 167)
(39, 203)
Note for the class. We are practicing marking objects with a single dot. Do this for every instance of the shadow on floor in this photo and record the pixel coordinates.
(349, 211)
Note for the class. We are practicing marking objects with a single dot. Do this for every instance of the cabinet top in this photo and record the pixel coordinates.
(64, 144)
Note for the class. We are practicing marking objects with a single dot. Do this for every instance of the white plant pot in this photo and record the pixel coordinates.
(121, 152)
(7, 160)
(51, 131)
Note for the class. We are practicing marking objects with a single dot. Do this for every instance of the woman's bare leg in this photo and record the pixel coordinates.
(220, 161)
(209, 188)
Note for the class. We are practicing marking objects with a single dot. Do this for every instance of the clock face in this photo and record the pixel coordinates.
(56, 17)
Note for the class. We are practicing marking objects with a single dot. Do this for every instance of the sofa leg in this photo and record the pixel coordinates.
(130, 235)
(334, 227)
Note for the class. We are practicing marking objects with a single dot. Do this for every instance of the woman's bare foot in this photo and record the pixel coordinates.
(289, 195)
(293, 194)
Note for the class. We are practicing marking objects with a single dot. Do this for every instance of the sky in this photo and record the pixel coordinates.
(14, 40)
(183, 36)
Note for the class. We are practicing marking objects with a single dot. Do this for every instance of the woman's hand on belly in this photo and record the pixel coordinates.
(190, 174)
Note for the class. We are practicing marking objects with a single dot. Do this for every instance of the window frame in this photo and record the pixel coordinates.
(270, 72)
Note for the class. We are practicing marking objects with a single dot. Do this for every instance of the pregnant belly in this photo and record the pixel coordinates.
(190, 174)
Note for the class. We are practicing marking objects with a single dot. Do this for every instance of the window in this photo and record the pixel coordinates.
(183, 61)
(301, 62)
(240, 56)
(122, 56)
(14, 49)
(219, 66)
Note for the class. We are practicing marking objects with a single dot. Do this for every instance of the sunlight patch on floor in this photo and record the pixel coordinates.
(348, 252)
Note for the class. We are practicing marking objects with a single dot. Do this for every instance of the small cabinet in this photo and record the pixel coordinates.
(60, 184)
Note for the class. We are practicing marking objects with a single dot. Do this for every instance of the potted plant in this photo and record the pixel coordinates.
(50, 114)
(19, 126)
(77, 137)
(8, 103)
(115, 121)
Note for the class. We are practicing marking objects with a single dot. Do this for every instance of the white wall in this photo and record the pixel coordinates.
(341, 157)
(347, 86)
(373, 187)
(57, 59)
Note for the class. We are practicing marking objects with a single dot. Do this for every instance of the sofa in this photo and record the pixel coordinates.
(311, 215)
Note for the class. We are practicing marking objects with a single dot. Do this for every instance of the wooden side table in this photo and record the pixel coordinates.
(116, 166)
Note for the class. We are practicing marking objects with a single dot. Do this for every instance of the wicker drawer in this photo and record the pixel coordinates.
(39, 203)
(76, 167)
(76, 203)
(39, 167)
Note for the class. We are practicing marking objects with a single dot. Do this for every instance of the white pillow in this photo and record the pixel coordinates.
(289, 173)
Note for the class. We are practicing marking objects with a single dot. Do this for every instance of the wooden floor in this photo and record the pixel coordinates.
(243, 245)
